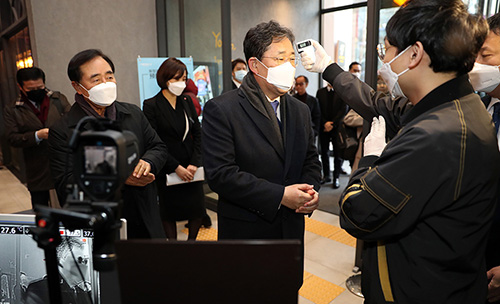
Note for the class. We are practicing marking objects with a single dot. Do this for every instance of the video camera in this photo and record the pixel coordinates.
(104, 157)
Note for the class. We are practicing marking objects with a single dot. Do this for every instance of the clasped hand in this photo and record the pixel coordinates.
(186, 174)
(300, 197)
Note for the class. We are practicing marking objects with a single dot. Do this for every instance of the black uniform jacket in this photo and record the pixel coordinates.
(151, 149)
(425, 205)
(21, 123)
(248, 161)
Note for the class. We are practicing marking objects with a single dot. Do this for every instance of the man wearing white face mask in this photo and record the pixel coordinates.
(423, 202)
(258, 145)
(355, 69)
(485, 77)
(239, 71)
(92, 76)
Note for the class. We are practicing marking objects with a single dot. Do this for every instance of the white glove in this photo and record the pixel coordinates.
(375, 140)
(322, 59)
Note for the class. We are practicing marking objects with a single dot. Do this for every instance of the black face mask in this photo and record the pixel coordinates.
(37, 95)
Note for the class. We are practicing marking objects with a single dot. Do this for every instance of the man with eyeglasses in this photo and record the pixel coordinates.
(485, 77)
(301, 83)
(258, 145)
(422, 202)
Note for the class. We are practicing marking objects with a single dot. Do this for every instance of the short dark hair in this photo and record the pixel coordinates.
(74, 72)
(305, 78)
(26, 74)
(170, 68)
(259, 38)
(449, 34)
(494, 23)
(236, 61)
(353, 64)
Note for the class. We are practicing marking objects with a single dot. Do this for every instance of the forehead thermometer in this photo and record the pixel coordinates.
(306, 47)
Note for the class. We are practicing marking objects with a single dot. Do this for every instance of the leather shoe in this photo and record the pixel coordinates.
(336, 184)
(206, 221)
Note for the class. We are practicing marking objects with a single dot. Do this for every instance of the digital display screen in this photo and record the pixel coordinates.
(304, 44)
(100, 160)
(22, 266)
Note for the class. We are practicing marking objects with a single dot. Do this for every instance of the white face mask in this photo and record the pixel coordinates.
(391, 78)
(177, 87)
(484, 78)
(103, 94)
(357, 74)
(281, 76)
(239, 75)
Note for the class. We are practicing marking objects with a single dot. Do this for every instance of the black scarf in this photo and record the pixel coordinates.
(109, 113)
(259, 101)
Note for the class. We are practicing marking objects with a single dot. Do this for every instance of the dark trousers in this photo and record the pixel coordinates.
(39, 198)
(324, 143)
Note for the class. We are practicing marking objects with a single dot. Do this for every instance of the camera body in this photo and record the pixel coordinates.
(103, 160)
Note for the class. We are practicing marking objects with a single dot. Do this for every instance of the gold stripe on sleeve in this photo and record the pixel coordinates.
(383, 272)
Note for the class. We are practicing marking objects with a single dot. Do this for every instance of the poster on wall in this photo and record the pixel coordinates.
(147, 68)
(204, 84)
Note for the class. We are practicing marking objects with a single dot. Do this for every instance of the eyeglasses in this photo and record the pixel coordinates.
(381, 50)
(281, 60)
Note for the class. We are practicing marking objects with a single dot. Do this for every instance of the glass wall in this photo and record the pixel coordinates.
(344, 31)
(338, 3)
(344, 36)
(198, 25)
(21, 47)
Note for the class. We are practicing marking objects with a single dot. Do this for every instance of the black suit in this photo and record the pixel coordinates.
(313, 105)
(332, 109)
(248, 163)
(185, 201)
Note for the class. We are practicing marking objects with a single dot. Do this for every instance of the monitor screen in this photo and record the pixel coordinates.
(100, 160)
(22, 263)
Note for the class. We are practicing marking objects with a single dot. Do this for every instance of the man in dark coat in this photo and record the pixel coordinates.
(485, 77)
(301, 83)
(423, 202)
(92, 76)
(262, 162)
(27, 124)
(333, 110)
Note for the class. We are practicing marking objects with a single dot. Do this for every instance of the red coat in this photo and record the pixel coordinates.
(192, 91)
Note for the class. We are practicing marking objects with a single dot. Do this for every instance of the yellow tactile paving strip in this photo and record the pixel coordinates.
(205, 234)
(323, 229)
(318, 290)
(329, 231)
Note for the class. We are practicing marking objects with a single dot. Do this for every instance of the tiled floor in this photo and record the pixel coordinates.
(329, 251)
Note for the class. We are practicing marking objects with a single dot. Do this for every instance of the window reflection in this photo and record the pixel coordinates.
(344, 36)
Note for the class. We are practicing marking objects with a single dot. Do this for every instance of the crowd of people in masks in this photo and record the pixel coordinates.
(423, 197)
